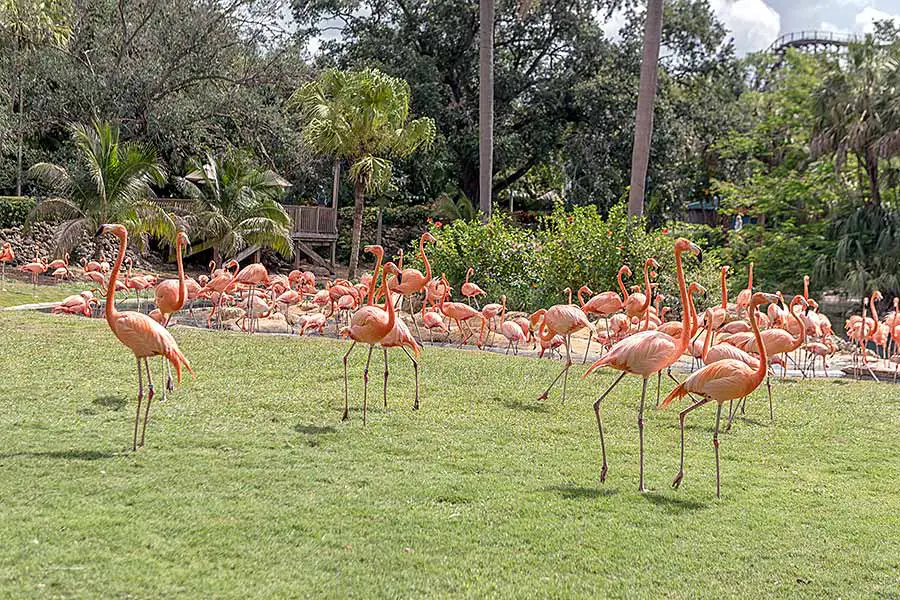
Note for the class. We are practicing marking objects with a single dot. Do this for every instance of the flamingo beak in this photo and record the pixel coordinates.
(100, 231)
(698, 251)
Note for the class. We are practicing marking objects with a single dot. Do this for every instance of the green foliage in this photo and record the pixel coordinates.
(402, 225)
(111, 184)
(570, 249)
(236, 205)
(14, 210)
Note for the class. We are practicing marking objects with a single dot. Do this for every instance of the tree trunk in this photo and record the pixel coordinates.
(337, 183)
(486, 107)
(217, 256)
(378, 233)
(872, 172)
(643, 122)
(358, 205)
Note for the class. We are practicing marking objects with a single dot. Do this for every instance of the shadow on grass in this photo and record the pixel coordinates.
(63, 454)
(574, 492)
(110, 402)
(314, 429)
(674, 504)
(528, 407)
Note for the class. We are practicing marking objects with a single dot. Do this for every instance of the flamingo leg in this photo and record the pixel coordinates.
(587, 348)
(149, 399)
(568, 364)
(677, 481)
(385, 376)
(658, 386)
(346, 394)
(716, 446)
(732, 411)
(605, 467)
(366, 383)
(137, 415)
(640, 421)
(412, 315)
(416, 371)
(508, 346)
(561, 373)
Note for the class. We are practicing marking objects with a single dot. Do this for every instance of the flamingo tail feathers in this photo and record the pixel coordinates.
(678, 393)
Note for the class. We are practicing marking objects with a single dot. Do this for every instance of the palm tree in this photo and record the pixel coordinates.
(362, 116)
(856, 111)
(30, 24)
(236, 206)
(643, 123)
(110, 185)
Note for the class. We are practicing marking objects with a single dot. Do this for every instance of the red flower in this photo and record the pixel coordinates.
(570, 218)
(609, 233)
(430, 220)
(437, 224)
(665, 230)
(620, 248)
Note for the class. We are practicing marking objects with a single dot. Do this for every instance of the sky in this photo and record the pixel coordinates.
(756, 23)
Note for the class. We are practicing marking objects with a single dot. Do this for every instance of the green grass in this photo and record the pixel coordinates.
(14, 292)
(250, 486)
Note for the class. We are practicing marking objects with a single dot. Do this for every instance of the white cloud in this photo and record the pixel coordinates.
(865, 19)
(826, 26)
(613, 25)
(753, 23)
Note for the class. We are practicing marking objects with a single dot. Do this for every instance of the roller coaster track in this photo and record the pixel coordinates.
(813, 41)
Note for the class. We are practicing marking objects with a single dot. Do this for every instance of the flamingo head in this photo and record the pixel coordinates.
(582, 290)
(762, 298)
(626, 271)
(390, 267)
(651, 264)
(876, 296)
(183, 239)
(429, 238)
(113, 228)
(375, 249)
(683, 245)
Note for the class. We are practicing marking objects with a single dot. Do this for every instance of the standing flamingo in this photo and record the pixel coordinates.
(605, 304)
(722, 381)
(6, 255)
(743, 299)
(369, 325)
(170, 294)
(646, 353)
(471, 290)
(250, 276)
(141, 334)
(511, 330)
(412, 281)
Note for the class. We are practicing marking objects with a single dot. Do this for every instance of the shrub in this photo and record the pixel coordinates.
(14, 210)
(401, 226)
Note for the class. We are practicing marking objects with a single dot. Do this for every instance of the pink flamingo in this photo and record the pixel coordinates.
(251, 276)
(369, 325)
(721, 382)
(412, 281)
(137, 283)
(563, 320)
(434, 320)
(6, 256)
(60, 263)
(138, 332)
(743, 299)
(471, 290)
(460, 313)
(75, 304)
(170, 294)
(511, 330)
(315, 321)
(644, 354)
(35, 268)
(605, 304)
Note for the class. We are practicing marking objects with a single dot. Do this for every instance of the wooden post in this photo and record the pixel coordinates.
(296, 255)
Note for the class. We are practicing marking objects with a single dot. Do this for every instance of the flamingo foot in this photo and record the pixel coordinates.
(543, 396)
(346, 415)
(677, 481)
(603, 471)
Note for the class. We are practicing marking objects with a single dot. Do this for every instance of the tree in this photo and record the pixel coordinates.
(855, 110)
(28, 24)
(362, 116)
(111, 185)
(486, 107)
(643, 128)
(236, 206)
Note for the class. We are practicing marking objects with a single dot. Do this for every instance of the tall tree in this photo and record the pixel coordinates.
(486, 107)
(27, 25)
(236, 206)
(111, 184)
(643, 127)
(362, 116)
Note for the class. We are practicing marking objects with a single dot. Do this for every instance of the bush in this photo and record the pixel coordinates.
(570, 249)
(14, 210)
(401, 226)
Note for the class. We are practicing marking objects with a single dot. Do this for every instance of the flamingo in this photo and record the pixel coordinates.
(646, 353)
(139, 333)
(135, 283)
(471, 290)
(817, 349)
(75, 304)
(250, 276)
(6, 255)
(459, 313)
(369, 325)
(433, 320)
(314, 321)
(719, 313)
(605, 304)
(563, 320)
(722, 381)
(220, 282)
(743, 299)
(511, 330)
(170, 294)
(34, 268)
(90, 266)
(412, 281)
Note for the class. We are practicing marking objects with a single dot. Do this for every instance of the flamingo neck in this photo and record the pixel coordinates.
(750, 278)
(580, 299)
(724, 290)
(801, 338)
(806, 288)
(570, 294)
(503, 311)
(469, 270)
(111, 312)
(874, 311)
(763, 366)
(622, 286)
(646, 305)
(686, 316)
(182, 284)
(389, 306)
(706, 342)
(694, 320)
(371, 299)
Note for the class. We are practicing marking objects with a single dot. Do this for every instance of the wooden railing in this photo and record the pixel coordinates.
(312, 221)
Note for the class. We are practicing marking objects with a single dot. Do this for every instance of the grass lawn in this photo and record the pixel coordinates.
(14, 292)
(250, 486)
